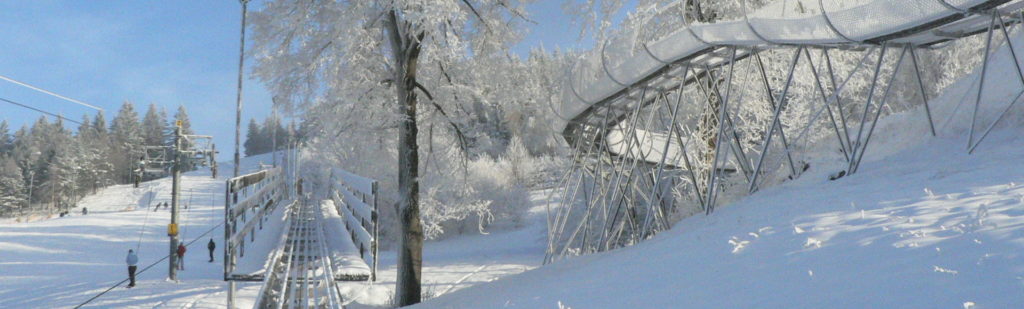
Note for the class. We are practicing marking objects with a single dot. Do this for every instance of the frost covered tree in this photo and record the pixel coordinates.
(5, 138)
(181, 116)
(61, 165)
(12, 189)
(99, 150)
(126, 136)
(389, 61)
(154, 127)
(99, 124)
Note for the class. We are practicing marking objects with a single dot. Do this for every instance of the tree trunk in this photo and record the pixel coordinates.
(405, 49)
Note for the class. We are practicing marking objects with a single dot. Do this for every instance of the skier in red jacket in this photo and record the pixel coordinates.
(181, 256)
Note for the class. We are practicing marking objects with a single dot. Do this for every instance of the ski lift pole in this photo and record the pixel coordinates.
(238, 125)
(172, 229)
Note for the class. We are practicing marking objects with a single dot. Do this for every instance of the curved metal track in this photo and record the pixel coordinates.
(634, 154)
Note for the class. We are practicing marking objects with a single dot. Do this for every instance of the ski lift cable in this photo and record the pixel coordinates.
(149, 204)
(39, 110)
(50, 93)
(188, 207)
(147, 268)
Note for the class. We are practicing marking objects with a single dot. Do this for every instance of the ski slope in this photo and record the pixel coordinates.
(62, 262)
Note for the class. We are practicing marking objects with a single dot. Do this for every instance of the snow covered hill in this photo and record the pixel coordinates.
(922, 224)
(930, 227)
(62, 262)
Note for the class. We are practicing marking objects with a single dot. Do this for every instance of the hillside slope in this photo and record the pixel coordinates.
(922, 224)
(931, 227)
(61, 262)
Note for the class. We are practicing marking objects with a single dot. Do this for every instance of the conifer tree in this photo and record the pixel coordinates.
(154, 127)
(12, 188)
(252, 139)
(5, 138)
(126, 136)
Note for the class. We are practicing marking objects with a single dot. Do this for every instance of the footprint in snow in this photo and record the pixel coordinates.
(738, 244)
(945, 270)
(812, 243)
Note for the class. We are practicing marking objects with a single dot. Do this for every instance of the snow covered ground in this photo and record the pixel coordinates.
(921, 225)
(925, 227)
(62, 262)
(453, 264)
(929, 227)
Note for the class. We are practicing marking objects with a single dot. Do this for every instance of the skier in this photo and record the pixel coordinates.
(181, 256)
(132, 260)
(85, 211)
(211, 245)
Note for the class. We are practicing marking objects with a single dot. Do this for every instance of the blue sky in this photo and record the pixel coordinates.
(168, 53)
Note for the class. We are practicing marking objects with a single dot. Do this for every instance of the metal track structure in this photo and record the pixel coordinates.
(301, 274)
(637, 159)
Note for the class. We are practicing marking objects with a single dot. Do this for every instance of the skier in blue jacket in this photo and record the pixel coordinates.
(132, 260)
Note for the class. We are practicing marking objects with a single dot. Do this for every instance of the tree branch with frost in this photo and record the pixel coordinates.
(455, 127)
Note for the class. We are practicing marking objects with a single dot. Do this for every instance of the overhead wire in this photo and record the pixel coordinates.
(49, 93)
(188, 210)
(153, 264)
(39, 110)
(144, 269)
(145, 221)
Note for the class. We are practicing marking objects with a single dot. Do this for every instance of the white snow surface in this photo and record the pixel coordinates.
(344, 255)
(62, 262)
(354, 181)
(929, 227)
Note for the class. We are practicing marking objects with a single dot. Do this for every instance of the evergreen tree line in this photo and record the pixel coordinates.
(259, 138)
(47, 167)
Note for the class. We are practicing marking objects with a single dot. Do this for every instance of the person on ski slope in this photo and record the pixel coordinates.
(132, 260)
(211, 245)
(181, 256)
